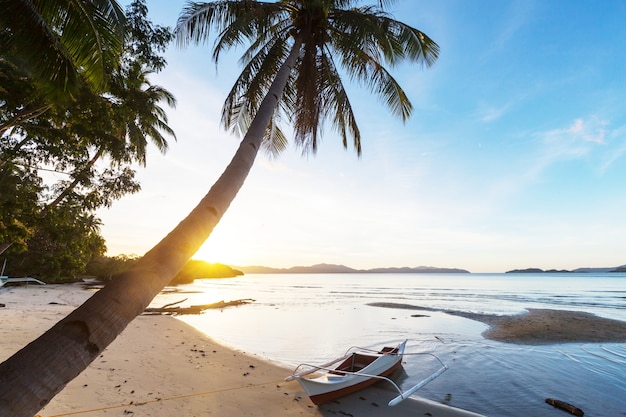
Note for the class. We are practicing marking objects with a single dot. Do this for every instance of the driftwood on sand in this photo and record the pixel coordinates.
(173, 309)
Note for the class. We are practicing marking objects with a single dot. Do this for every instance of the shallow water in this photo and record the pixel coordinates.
(315, 317)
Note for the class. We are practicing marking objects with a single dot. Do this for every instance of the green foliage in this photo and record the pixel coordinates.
(19, 191)
(145, 42)
(330, 35)
(62, 244)
(90, 143)
(199, 269)
(63, 44)
(105, 267)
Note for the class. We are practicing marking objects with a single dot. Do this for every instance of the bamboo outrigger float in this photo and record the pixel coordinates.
(4, 279)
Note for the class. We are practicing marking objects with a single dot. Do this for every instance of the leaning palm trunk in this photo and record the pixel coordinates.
(33, 376)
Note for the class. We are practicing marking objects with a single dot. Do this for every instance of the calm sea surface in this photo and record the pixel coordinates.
(315, 317)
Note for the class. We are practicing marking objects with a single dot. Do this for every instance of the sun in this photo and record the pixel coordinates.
(221, 247)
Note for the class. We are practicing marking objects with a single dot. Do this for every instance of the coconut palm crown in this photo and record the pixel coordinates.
(331, 36)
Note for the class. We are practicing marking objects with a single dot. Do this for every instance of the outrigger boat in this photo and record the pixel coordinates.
(357, 369)
(4, 279)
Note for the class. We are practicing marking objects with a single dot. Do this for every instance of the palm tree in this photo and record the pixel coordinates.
(129, 111)
(136, 116)
(63, 42)
(117, 124)
(290, 69)
(139, 112)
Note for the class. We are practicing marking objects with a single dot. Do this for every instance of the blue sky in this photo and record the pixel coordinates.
(515, 155)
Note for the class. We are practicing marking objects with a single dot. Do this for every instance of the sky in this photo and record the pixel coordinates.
(514, 157)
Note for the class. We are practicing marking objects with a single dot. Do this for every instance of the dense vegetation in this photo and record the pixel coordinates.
(105, 268)
(200, 269)
(61, 159)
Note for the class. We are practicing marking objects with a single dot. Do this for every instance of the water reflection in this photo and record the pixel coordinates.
(311, 318)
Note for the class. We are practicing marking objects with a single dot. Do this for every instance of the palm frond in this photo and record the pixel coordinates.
(362, 39)
(308, 111)
(417, 46)
(253, 82)
(278, 30)
(338, 106)
(63, 42)
(93, 34)
(139, 116)
(234, 20)
(36, 46)
(254, 24)
(372, 74)
(274, 141)
(379, 36)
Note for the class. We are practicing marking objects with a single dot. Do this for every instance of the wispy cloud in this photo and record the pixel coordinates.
(617, 138)
(589, 131)
(574, 141)
(493, 113)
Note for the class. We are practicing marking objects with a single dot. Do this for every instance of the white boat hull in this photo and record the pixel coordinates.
(356, 372)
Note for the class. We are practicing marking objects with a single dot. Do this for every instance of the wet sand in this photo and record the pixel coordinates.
(539, 326)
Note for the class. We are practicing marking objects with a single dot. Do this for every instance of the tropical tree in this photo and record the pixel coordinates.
(291, 68)
(62, 244)
(94, 138)
(60, 46)
(63, 43)
(19, 188)
(130, 117)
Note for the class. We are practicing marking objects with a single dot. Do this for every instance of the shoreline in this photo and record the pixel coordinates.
(544, 326)
(538, 326)
(161, 366)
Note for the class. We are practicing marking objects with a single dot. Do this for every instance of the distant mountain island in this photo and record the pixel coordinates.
(342, 269)
(573, 271)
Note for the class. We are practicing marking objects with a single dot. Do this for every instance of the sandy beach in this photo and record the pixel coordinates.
(160, 366)
(539, 326)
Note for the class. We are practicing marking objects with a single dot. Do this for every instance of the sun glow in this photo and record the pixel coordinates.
(221, 247)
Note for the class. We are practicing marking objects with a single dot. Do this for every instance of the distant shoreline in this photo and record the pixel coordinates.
(565, 271)
(342, 269)
(539, 326)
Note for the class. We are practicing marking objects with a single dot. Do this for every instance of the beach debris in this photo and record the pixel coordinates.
(174, 303)
(565, 407)
(173, 309)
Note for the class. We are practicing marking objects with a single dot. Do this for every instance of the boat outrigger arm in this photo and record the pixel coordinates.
(402, 395)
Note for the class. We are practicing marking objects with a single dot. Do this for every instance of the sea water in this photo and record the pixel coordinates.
(311, 318)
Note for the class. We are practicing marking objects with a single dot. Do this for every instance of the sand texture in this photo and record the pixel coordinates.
(539, 326)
